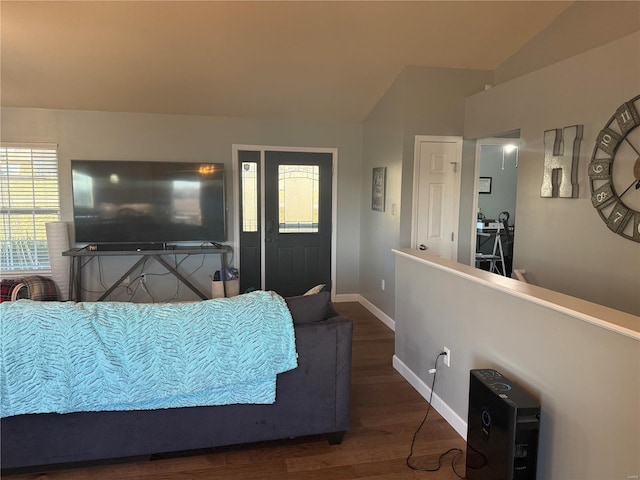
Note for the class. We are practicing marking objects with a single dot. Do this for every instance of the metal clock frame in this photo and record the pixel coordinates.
(600, 170)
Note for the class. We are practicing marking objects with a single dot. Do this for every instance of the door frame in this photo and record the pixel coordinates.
(236, 202)
(457, 140)
(476, 176)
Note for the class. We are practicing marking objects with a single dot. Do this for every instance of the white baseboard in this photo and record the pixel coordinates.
(355, 297)
(452, 418)
(383, 317)
(346, 297)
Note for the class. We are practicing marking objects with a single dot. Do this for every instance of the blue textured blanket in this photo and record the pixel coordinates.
(67, 357)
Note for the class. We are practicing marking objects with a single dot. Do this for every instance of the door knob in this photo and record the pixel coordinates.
(423, 247)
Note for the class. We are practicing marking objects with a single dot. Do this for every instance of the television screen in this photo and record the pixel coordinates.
(128, 202)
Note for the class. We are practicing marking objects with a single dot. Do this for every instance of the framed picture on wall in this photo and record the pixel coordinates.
(484, 185)
(378, 188)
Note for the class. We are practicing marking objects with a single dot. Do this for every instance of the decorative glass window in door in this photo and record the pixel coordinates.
(299, 187)
(249, 196)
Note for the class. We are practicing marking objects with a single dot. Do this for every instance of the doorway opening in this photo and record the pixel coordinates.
(495, 195)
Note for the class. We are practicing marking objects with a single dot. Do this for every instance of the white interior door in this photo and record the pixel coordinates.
(436, 195)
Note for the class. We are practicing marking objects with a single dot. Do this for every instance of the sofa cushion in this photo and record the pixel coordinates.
(309, 308)
(331, 311)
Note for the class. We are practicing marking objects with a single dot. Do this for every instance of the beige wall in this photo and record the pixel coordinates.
(422, 101)
(562, 243)
(127, 136)
(379, 233)
(539, 87)
(581, 27)
(586, 378)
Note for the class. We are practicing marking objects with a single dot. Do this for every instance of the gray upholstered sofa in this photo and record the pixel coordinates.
(311, 399)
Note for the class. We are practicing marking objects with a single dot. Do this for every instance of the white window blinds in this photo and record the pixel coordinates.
(28, 200)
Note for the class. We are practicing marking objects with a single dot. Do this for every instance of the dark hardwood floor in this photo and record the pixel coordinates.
(385, 412)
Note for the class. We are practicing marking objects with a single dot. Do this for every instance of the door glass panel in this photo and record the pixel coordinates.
(298, 189)
(249, 177)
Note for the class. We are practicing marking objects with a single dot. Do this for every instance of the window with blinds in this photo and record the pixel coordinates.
(28, 200)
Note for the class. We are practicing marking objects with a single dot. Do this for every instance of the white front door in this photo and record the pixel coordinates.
(436, 195)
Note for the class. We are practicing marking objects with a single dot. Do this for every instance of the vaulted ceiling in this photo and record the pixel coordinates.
(309, 60)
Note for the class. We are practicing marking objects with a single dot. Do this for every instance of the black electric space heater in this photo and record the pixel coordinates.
(502, 429)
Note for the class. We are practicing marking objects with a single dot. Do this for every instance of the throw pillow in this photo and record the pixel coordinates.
(309, 308)
(314, 290)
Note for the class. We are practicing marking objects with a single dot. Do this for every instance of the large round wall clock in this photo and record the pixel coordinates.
(614, 171)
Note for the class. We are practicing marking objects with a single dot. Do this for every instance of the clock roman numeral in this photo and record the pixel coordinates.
(636, 226)
(603, 196)
(618, 218)
(627, 117)
(600, 168)
(608, 141)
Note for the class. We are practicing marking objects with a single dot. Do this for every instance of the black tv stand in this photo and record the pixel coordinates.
(78, 254)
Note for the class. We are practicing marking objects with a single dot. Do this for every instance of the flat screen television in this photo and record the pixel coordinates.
(148, 202)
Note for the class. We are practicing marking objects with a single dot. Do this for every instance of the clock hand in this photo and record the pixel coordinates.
(636, 175)
(634, 148)
(635, 182)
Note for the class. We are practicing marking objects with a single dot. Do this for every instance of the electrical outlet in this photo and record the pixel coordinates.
(143, 277)
(382, 284)
(447, 357)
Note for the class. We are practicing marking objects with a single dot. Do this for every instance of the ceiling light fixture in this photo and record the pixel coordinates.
(510, 147)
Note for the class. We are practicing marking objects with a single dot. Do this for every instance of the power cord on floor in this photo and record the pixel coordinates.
(415, 435)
